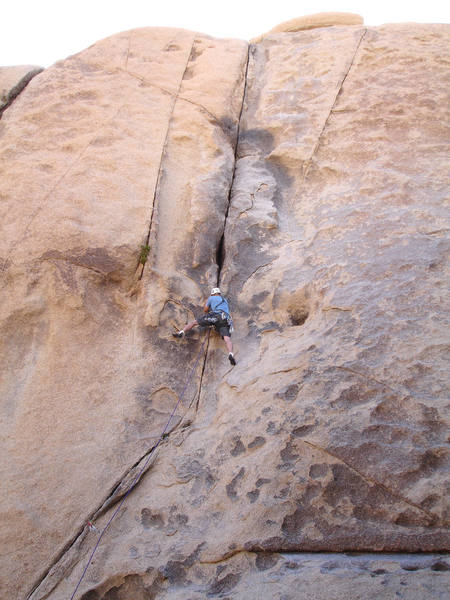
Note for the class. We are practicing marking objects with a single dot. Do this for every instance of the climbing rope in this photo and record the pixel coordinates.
(141, 472)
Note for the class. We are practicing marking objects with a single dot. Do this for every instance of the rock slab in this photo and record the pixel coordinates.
(307, 174)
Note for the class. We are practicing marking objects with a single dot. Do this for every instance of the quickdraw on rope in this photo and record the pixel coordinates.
(139, 475)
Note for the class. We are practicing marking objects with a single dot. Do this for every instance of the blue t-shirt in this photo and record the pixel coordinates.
(218, 304)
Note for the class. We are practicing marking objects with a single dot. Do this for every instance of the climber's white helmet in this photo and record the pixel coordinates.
(215, 291)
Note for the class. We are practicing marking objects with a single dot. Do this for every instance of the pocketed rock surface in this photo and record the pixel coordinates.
(321, 158)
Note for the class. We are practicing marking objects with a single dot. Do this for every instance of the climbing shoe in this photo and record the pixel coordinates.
(231, 359)
(179, 334)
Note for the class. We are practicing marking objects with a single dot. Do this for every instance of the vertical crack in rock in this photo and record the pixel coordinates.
(128, 51)
(163, 154)
(127, 480)
(220, 251)
(221, 247)
(308, 163)
(202, 373)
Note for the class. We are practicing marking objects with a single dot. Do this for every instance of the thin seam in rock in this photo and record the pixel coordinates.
(128, 50)
(202, 373)
(75, 264)
(366, 376)
(403, 393)
(308, 163)
(370, 480)
(226, 556)
(163, 153)
(252, 203)
(173, 95)
(261, 267)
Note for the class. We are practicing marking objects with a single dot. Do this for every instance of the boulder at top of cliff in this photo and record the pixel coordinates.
(326, 19)
(13, 80)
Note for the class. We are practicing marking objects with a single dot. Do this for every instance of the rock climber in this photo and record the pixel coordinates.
(218, 316)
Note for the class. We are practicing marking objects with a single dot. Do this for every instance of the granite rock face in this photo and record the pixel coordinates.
(306, 174)
(88, 385)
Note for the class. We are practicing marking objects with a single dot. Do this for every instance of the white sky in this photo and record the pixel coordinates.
(40, 32)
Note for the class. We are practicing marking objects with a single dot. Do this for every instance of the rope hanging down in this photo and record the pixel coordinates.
(139, 475)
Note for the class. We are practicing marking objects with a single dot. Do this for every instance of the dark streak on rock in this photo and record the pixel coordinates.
(303, 430)
(258, 442)
(265, 561)
(289, 393)
(318, 470)
(226, 584)
(231, 487)
(262, 481)
(253, 496)
(238, 448)
(440, 565)
(151, 519)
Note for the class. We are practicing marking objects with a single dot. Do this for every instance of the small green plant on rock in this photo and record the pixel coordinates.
(145, 249)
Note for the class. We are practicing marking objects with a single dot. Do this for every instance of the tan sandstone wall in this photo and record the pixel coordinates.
(330, 434)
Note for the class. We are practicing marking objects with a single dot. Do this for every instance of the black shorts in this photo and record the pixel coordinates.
(215, 320)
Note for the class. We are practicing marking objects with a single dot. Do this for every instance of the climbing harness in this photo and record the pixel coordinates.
(90, 525)
(217, 314)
